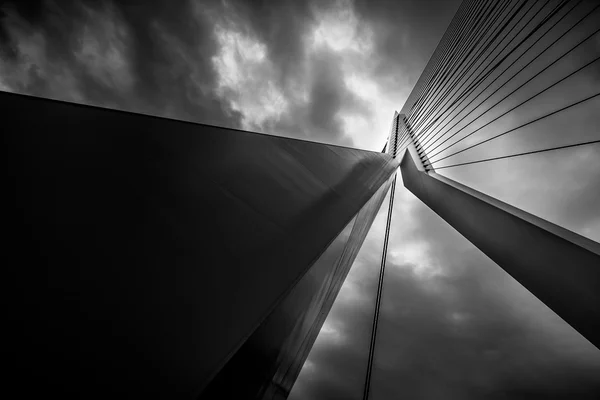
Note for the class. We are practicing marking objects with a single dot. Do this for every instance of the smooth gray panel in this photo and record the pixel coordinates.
(268, 364)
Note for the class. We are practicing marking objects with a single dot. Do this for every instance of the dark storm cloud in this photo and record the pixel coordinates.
(285, 29)
(282, 26)
(167, 59)
(319, 117)
(327, 92)
(163, 50)
(170, 48)
(406, 33)
(159, 57)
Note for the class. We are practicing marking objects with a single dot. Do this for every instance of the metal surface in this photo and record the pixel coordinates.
(559, 267)
(268, 364)
(144, 251)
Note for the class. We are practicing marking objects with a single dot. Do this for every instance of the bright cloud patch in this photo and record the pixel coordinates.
(415, 256)
(339, 29)
(369, 131)
(100, 43)
(246, 78)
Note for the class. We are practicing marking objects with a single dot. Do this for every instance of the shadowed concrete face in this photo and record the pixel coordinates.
(147, 250)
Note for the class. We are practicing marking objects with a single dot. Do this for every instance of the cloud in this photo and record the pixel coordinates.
(299, 69)
(316, 74)
(245, 78)
(309, 70)
(102, 49)
(27, 65)
(146, 57)
(305, 99)
(405, 35)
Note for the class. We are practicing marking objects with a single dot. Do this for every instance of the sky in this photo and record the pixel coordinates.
(325, 71)
(453, 324)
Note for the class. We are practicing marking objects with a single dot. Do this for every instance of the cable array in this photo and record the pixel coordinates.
(496, 62)
(498, 69)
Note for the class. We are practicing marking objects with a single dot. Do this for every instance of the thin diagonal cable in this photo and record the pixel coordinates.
(402, 144)
(445, 54)
(482, 51)
(394, 134)
(503, 114)
(448, 52)
(531, 33)
(439, 128)
(406, 140)
(452, 54)
(424, 134)
(430, 143)
(520, 154)
(411, 137)
(495, 91)
(427, 138)
(487, 72)
(408, 137)
(367, 386)
(441, 52)
(519, 127)
(461, 57)
(520, 104)
(447, 91)
(403, 138)
(450, 90)
(456, 55)
(396, 140)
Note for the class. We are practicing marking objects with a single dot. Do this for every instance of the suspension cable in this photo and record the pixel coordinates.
(448, 93)
(367, 386)
(520, 104)
(520, 126)
(480, 78)
(502, 73)
(520, 154)
(457, 58)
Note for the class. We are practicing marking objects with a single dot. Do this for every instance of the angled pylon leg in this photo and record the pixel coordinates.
(154, 258)
(560, 267)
